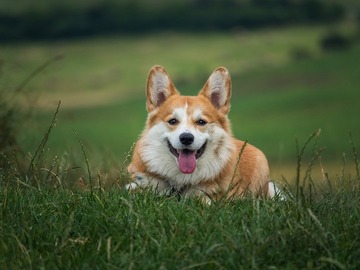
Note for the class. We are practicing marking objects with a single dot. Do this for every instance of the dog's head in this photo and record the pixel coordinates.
(186, 128)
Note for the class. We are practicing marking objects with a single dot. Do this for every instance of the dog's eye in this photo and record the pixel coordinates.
(173, 121)
(201, 122)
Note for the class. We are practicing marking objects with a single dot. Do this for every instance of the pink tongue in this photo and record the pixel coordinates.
(187, 161)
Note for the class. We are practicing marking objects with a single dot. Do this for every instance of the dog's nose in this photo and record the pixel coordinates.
(186, 138)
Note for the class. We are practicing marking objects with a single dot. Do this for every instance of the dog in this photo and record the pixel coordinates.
(187, 147)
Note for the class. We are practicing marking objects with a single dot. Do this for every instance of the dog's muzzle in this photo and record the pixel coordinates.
(198, 153)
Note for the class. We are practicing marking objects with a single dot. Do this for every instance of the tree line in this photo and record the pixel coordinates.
(52, 19)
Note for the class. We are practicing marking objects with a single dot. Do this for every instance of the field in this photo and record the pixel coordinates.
(277, 98)
(58, 229)
(285, 88)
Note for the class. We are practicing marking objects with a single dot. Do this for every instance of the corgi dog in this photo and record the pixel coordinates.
(187, 147)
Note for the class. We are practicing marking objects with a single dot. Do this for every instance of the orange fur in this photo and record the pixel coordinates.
(245, 169)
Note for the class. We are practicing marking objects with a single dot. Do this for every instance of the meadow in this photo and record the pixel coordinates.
(278, 96)
(61, 199)
(62, 229)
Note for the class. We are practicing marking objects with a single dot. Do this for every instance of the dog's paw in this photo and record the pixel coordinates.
(131, 186)
(276, 192)
(136, 184)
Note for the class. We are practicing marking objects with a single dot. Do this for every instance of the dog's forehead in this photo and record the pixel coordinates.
(195, 111)
(180, 112)
(180, 107)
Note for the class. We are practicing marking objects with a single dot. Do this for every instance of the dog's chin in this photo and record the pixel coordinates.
(198, 152)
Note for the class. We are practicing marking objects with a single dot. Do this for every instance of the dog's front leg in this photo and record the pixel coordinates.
(142, 181)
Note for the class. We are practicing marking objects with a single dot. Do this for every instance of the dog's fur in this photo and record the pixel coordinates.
(188, 148)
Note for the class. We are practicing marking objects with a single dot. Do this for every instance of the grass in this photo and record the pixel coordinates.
(46, 222)
(62, 205)
(270, 108)
(119, 64)
(62, 229)
(275, 99)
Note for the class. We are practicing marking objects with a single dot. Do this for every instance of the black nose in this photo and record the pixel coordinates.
(186, 138)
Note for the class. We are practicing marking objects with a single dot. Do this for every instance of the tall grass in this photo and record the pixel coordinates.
(37, 169)
(48, 223)
(43, 170)
(267, 82)
(68, 212)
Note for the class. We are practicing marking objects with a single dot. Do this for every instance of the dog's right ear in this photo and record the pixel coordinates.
(159, 88)
(218, 89)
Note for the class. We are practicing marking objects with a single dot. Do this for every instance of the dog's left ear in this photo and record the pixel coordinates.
(159, 88)
(218, 89)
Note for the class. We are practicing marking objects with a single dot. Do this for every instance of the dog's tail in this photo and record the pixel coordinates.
(275, 192)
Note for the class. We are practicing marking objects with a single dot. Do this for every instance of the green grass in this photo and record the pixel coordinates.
(276, 98)
(59, 229)
(271, 107)
(51, 220)
(63, 206)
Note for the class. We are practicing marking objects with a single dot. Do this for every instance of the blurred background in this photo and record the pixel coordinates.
(295, 67)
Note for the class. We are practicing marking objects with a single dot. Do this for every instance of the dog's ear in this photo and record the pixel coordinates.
(159, 88)
(218, 89)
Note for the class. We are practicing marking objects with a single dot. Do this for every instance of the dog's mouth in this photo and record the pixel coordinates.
(187, 158)
(176, 152)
